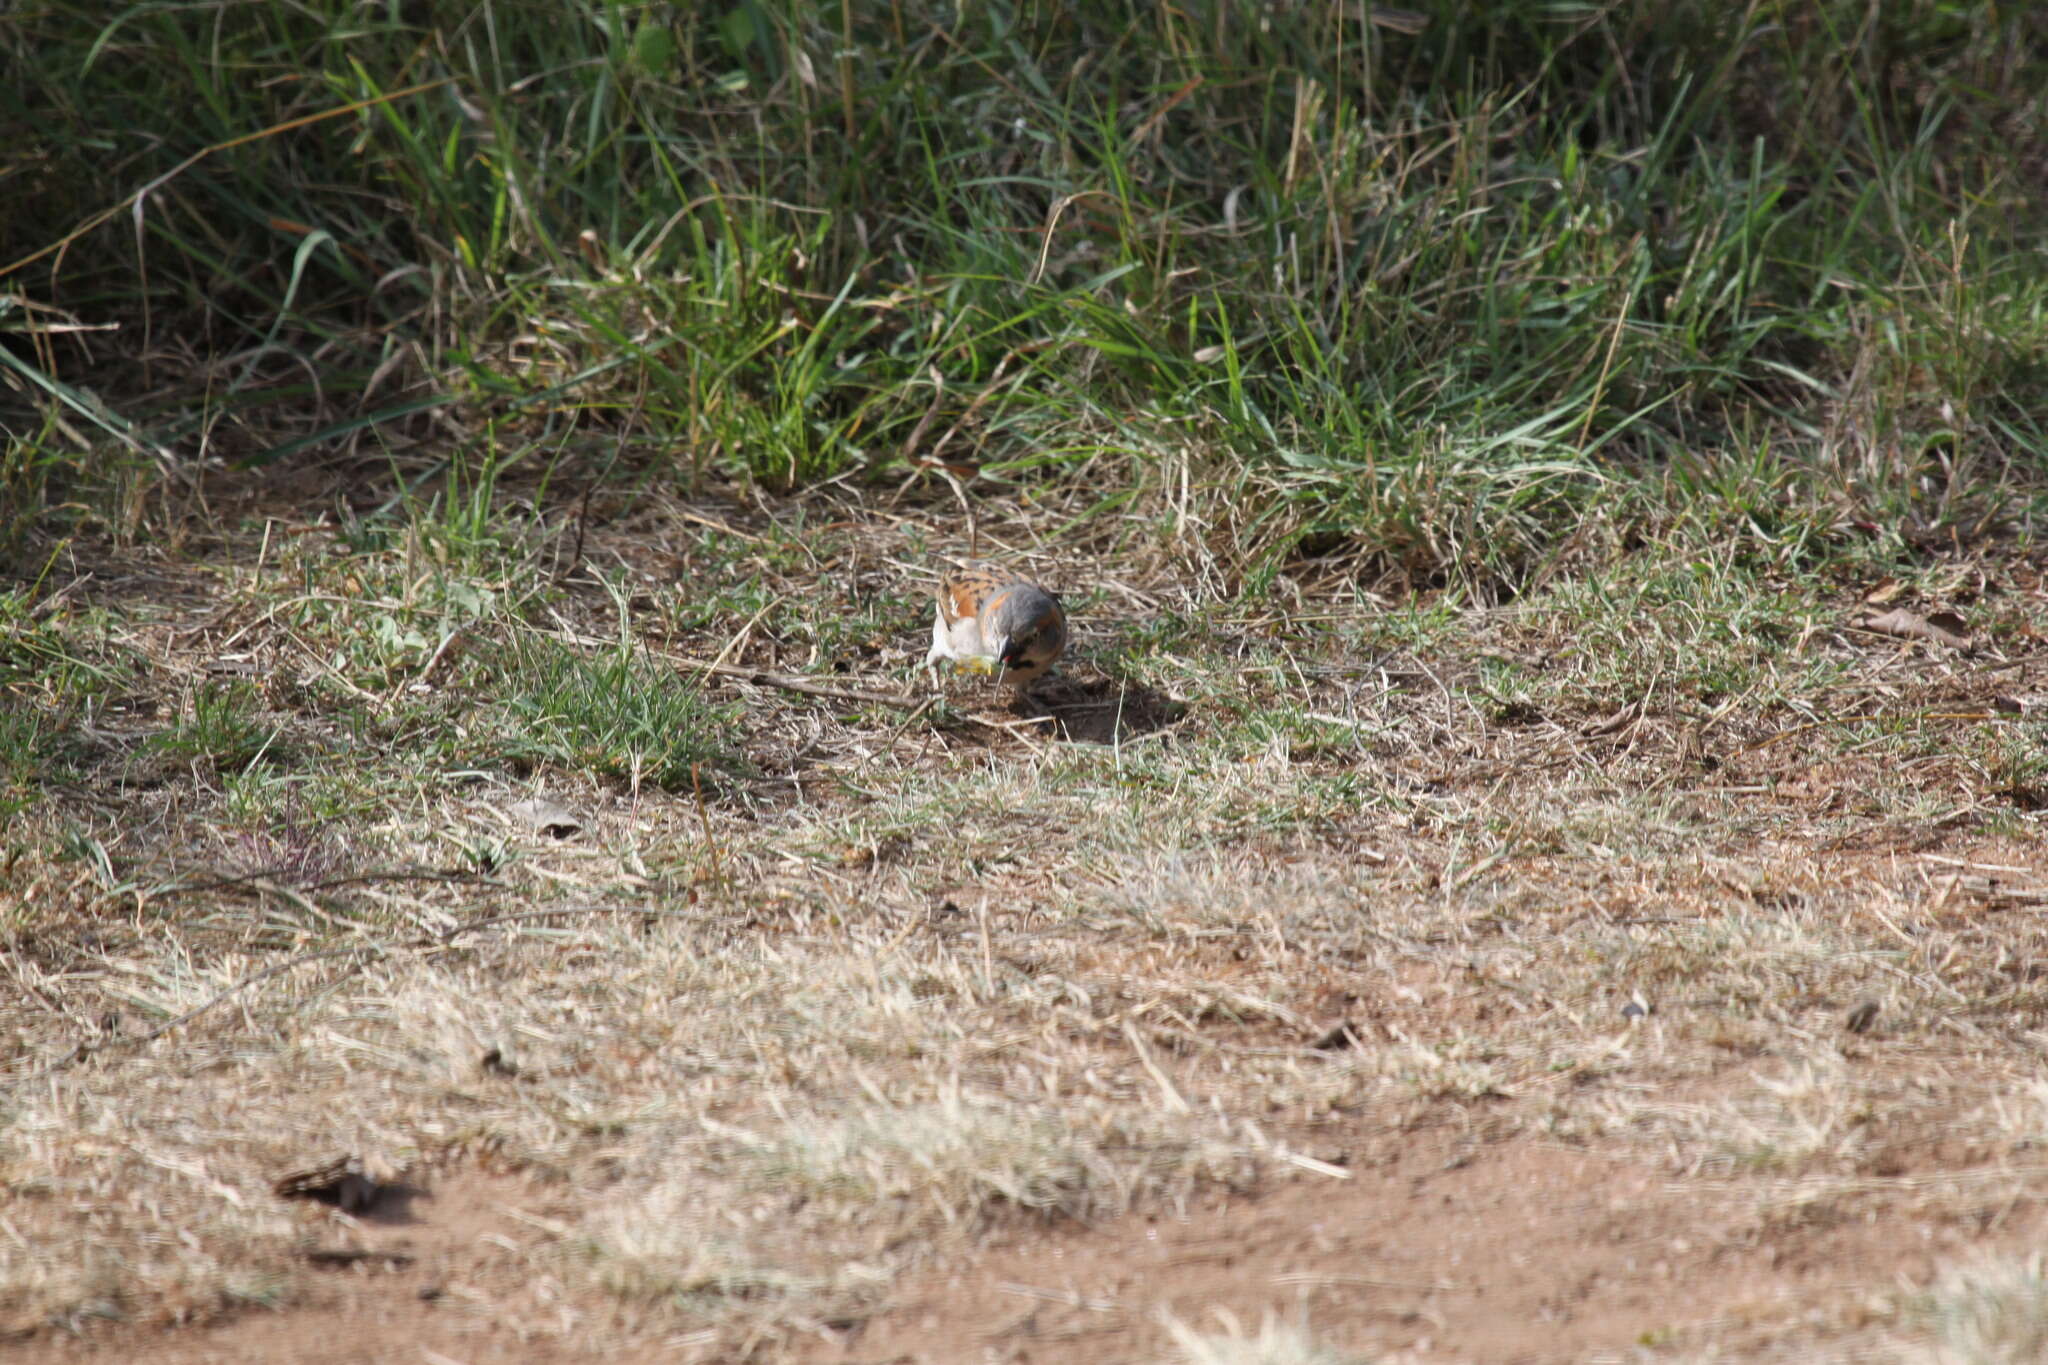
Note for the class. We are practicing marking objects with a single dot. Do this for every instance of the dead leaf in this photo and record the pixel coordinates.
(543, 815)
(1938, 627)
(346, 1183)
(963, 470)
(1952, 623)
(1621, 720)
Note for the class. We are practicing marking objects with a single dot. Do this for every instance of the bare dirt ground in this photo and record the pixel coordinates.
(1434, 987)
(1440, 1246)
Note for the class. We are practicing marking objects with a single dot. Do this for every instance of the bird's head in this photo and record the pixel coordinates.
(1028, 632)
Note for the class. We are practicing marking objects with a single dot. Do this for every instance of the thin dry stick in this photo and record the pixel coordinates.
(803, 685)
(933, 464)
(294, 896)
(909, 720)
(1769, 740)
(1158, 116)
(988, 391)
(966, 508)
(988, 954)
(1607, 365)
(704, 815)
(1168, 1093)
(188, 1016)
(739, 638)
(759, 676)
(1052, 222)
(930, 414)
(910, 923)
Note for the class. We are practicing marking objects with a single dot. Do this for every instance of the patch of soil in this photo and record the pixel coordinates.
(1435, 1244)
(1520, 1252)
(432, 1275)
(1105, 710)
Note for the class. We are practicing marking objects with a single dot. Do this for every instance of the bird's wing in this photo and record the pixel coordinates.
(964, 593)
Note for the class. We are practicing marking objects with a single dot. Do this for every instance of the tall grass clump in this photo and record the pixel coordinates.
(1454, 291)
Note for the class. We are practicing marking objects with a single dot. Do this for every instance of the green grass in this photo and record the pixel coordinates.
(1463, 303)
(57, 672)
(616, 714)
(220, 727)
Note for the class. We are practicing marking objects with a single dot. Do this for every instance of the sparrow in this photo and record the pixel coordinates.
(989, 621)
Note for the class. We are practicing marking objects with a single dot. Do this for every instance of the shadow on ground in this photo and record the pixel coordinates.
(1103, 710)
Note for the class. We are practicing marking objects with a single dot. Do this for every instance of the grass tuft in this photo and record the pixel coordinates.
(1275, 1343)
(1988, 1314)
(616, 714)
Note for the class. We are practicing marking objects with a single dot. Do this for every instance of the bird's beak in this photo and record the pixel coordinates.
(1002, 654)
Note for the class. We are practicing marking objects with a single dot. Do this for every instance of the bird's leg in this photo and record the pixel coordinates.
(939, 649)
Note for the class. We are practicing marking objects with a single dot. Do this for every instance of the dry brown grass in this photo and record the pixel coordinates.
(889, 989)
(1985, 1313)
(1272, 1343)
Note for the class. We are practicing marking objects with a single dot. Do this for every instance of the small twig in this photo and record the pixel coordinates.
(988, 391)
(402, 877)
(739, 639)
(804, 685)
(583, 503)
(253, 979)
(1158, 115)
(966, 508)
(1052, 222)
(1628, 300)
(988, 952)
(297, 898)
(927, 704)
(426, 673)
(1064, 1296)
(933, 463)
(1175, 1102)
(924, 423)
(1769, 740)
(710, 839)
(761, 677)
